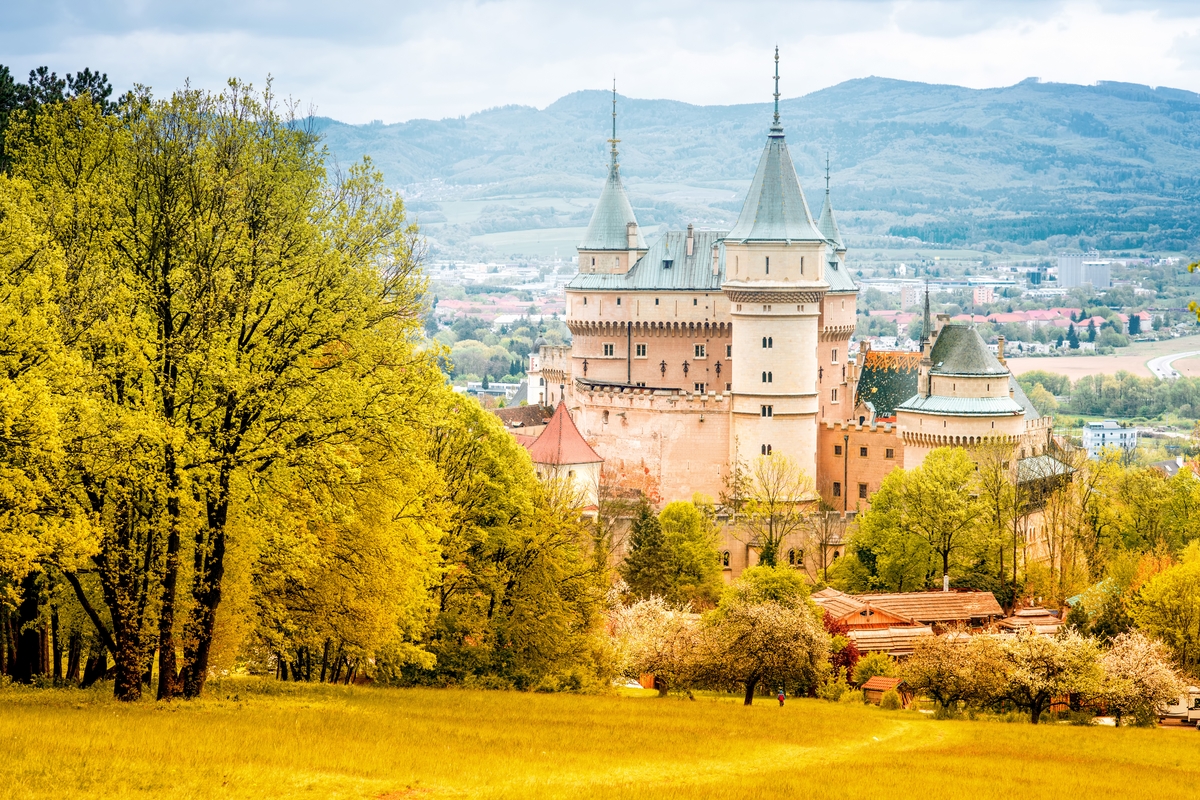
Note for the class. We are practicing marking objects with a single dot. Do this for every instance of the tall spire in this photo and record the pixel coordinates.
(613, 141)
(925, 320)
(827, 224)
(776, 86)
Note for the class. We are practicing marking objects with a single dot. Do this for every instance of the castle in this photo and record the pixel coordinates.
(708, 348)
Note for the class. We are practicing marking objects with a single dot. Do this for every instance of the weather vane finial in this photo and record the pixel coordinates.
(776, 84)
(613, 141)
(826, 172)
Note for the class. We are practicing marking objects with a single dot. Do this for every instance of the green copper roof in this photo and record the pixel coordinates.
(775, 208)
(610, 220)
(960, 350)
(838, 276)
(667, 266)
(828, 225)
(962, 406)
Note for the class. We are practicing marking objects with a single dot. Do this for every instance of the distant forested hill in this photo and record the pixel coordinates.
(1115, 165)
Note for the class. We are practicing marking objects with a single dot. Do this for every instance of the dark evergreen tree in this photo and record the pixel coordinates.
(1091, 330)
(1073, 338)
(645, 567)
(1135, 324)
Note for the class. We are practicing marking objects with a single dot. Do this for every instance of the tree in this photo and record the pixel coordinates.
(953, 669)
(780, 498)
(1091, 330)
(1168, 609)
(766, 644)
(1072, 338)
(873, 664)
(644, 568)
(826, 529)
(1045, 403)
(673, 555)
(1135, 323)
(654, 637)
(1138, 678)
(931, 506)
(1039, 668)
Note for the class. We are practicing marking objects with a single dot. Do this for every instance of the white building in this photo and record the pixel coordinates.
(1109, 433)
(1076, 269)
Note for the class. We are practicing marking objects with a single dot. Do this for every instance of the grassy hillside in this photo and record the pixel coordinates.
(1113, 165)
(333, 742)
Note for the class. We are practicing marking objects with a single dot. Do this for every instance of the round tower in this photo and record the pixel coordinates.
(775, 280)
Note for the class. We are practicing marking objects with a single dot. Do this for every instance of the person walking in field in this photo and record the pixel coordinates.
(781, 698)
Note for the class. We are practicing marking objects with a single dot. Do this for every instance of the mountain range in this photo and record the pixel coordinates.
(1035, 165)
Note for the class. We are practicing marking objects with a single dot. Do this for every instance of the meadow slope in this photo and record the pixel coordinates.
(262, 741)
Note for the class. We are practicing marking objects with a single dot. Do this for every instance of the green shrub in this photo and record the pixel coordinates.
(873, 664)
(853, 696)
(891, 701)
(833, 689)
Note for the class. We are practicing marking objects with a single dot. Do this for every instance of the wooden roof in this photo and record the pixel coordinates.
(882, 683)
(928, 607)
(523, 416)
(893, 641)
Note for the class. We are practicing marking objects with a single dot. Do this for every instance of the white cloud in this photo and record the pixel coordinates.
(371, 59)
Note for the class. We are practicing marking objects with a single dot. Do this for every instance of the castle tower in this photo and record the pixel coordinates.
(613, 242)
(839, 307)
(775, 281)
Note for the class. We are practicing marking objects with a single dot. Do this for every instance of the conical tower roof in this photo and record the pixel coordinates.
(562, 443)
(827, 224)
(609, 227)
(775, 208)
(610, 221)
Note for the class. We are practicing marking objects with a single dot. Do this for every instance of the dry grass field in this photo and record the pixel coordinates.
(1131, 359)
(255, 740)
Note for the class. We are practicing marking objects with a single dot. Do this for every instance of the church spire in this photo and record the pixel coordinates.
(613, 141)
(777, 86)
(827, 225)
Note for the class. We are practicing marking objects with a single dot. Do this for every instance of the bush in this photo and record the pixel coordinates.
(833, 689)
(853, 696)
(891, 701)
(873, 664)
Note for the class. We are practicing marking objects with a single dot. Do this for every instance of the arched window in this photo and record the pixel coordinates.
(792, 557)
(769, 377)
(766, 449)
(725, 559)
(770, 341)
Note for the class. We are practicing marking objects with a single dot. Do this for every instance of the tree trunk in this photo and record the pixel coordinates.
(28, 660)
(97, 666)
(168, 669)
(750, 686)
(206, 590)
(74, 653)
(56, 645)
(325, 659)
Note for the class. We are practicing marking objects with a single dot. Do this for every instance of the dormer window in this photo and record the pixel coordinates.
(668, 263)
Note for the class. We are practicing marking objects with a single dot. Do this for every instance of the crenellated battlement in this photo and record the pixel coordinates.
(841, 425)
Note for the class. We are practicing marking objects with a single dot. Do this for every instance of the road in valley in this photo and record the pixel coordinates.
(1161, 366)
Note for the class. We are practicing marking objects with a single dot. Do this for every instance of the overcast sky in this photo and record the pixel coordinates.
(359, 60)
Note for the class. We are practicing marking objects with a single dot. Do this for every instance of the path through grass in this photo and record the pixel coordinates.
(253, 740)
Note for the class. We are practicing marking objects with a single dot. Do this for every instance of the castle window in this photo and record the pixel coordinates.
(834, 355)
(768, 265)
(795, 557)
(801, 265)
(605, 417)
(766, 449)
(610, 349)
(837, 489)
(862, 491)
(585, 301)
(766, 377)
(656, 301)
(768, 342)
(834, 399)
(728, 387)
(837, 449)
(695, 301)
(699, 387)
(640, 383)
(593, 262)
(889, 453)
(725, 559)
(768, 411)
(640, 350)
(862, 452)
(701, 351)
(729, 351)
(618, 301)
(668, 263)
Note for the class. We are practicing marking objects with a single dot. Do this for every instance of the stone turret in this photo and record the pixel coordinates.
(613, 241)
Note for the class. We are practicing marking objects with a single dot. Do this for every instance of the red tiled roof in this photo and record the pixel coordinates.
(561, 442)
(882, 682)
(523, 416)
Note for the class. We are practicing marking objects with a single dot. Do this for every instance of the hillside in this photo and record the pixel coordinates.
(1115, 165)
